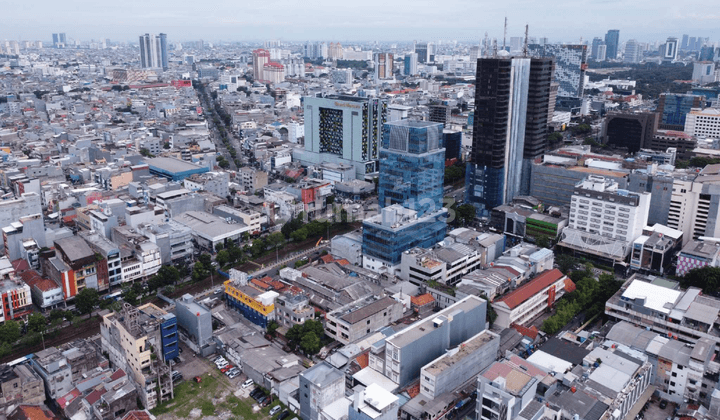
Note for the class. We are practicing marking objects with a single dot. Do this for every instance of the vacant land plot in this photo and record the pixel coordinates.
(214, 398)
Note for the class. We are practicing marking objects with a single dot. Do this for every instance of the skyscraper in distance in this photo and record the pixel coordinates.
(612, 40)
(260, 58)
(153, 51)
(632, 53)
(383, 66)
(410, 64)
(59, 40)
(669, 50)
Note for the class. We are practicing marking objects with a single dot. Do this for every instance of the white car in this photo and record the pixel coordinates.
(222, 364)
(233, 375)
(275, 410)
(248, 384)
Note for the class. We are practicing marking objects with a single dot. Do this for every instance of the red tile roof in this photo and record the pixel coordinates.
(422, 300)
(33, 279)
(94, 396)
(66, 399)
(20, 265)
(117, 375)
(327, 259)
(508, 268)
(531, 288)
(138, 415)
(343, 261)
(531, 332)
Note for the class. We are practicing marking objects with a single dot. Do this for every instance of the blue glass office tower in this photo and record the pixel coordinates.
(612, 40)
(453, 144)
(673, 107)
(410, 191)
(412, 166)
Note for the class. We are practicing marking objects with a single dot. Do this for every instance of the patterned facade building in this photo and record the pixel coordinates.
(570, 66)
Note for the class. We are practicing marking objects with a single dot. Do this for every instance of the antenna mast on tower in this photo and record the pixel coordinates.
(486, 46)
(525, 45)
(505, 33)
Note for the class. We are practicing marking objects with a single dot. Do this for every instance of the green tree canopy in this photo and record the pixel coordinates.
(37, 322)
(86, 300)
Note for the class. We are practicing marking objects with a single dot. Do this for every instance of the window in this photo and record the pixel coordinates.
(674, 374)
(672, 383)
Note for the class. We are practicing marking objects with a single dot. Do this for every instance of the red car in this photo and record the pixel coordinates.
(226, 368)
(198, 379)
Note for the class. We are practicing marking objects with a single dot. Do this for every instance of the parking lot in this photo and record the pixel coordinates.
(654, 412)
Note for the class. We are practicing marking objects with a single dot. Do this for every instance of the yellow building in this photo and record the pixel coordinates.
(256, 305)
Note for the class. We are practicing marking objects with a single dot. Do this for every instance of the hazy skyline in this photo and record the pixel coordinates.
(371, 20)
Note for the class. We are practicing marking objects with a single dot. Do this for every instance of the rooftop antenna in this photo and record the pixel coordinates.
(505, 33)
(486, 46)
(494, 48)
(525, 45)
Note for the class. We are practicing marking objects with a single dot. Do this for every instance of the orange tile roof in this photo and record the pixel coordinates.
(363, 360)
(533, 287)
(569, 285)
(414, 390)
(259, 283)
(33, 412)
(343, 261)
(277, 285)
(422, 300)
(327, 259)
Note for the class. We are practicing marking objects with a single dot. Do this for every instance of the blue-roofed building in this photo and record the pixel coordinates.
(174, 169)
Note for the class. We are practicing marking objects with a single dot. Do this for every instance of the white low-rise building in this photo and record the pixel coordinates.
(530, 300)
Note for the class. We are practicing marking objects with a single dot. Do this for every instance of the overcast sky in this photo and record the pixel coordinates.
(357, 20)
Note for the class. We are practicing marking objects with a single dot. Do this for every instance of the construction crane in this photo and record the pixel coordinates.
(318, 242)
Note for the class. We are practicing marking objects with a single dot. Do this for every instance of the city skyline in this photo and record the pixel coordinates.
(462, 21)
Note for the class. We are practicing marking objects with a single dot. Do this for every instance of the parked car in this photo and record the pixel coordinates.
(198, 379)
(226, 368)
(264, 401)
(247, 383)
(663, 404)
(256, 393)
(233, 374)
(274, 410)
(284, 415)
